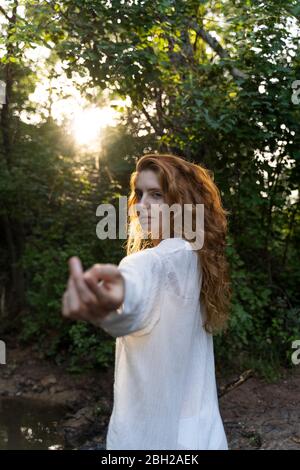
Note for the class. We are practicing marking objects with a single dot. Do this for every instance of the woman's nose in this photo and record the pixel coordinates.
(144, 201)
(143, 205)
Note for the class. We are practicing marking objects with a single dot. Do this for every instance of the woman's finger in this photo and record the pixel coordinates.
(74, 308)
(65, 306)
(83, 291)
(97, 290)
(75, 266)
(103, 292)
(104, 272)
(73, 297)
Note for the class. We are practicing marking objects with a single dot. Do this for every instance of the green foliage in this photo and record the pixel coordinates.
(89, 349)
(262, 325)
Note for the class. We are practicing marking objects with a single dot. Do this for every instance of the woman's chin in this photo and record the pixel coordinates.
(149, 230)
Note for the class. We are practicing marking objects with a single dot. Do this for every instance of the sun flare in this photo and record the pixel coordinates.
(88, 123)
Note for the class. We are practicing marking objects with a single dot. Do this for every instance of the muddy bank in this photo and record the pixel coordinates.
(81, 403)
(256, 414)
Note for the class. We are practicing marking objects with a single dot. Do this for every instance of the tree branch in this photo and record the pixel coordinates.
(216, 46)
(4, 13)
(151, 121)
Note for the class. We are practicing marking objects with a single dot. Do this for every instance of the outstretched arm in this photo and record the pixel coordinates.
(92, 294)
(127, 299)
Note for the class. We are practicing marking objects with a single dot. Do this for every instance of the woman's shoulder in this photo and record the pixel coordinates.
(166, 248)
(171, 245)
(177, 254)
(140, 257)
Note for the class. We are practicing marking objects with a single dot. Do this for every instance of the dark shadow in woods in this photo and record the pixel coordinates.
(29, 424)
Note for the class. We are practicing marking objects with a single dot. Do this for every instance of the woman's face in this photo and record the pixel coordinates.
(149, 195)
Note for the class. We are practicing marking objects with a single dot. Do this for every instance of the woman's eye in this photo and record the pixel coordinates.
(157, 195)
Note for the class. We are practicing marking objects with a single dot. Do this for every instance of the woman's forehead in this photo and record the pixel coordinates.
(147, 179)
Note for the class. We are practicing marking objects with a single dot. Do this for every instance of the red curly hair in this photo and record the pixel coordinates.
(185, 182)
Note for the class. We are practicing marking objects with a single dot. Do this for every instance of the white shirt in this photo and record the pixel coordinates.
(165, 394)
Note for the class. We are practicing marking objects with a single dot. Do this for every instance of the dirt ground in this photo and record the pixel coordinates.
(261, 415)
(256, 414)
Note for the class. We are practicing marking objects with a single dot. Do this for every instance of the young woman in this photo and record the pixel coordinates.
(162, 304)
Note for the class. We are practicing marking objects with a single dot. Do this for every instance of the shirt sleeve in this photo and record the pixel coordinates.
(140, 311)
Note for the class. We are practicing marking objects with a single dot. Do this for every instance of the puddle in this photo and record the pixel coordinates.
(29, 424)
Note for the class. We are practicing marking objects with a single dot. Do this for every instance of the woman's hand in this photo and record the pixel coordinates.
(87, 299)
